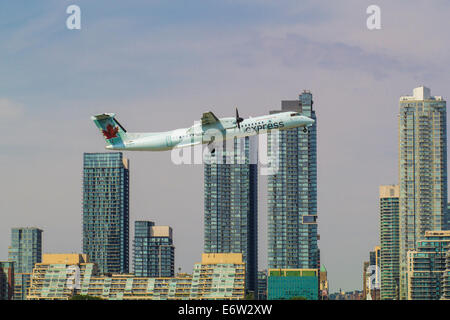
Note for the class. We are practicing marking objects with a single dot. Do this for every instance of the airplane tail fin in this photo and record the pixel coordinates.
(113, 132)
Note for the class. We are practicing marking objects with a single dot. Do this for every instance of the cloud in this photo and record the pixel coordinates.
(10, 110)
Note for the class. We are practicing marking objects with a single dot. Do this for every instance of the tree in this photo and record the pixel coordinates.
(250, 295)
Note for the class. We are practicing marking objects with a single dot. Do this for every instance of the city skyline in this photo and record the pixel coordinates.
(199, 58)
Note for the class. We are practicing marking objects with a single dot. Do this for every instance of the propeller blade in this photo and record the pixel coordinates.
(238, 119)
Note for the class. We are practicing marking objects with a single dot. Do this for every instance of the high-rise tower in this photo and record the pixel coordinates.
(106, 211)
(292, 192)
(230, 201)
(390, 241)
(25, 251)
(153, 250)
(422, 171)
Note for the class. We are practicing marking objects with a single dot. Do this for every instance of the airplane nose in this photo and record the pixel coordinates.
(309, 121)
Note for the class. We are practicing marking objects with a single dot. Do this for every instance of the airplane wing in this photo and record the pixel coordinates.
(209, 118)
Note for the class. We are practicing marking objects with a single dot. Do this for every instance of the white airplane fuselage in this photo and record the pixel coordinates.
(221, 129)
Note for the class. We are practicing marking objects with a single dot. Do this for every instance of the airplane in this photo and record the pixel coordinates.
(209, 131)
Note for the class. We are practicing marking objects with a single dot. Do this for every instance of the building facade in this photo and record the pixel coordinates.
(25, 251)
(287, 284)
(153, 250)
(106, 210)
(323, 283)
(6, 280)
(365, 275)
(427, 266)
(292, 192)
(230, 204)
(349, 295)
(446, 276)
(61, 276)
(422, 171)
(375, 283)
(390, 242)
(371, 275)
(262, 285)
(219, 276)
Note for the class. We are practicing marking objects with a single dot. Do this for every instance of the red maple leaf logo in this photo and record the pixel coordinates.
(110, 132)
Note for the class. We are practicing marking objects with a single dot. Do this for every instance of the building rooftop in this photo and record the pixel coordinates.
(420, 94)
(64, 258)
(223, 258)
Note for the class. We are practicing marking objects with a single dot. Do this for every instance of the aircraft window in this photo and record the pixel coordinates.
(295, 114)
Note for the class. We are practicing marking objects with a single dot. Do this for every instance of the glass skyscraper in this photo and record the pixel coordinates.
(153, 250)
(292, 193)
(422, 171)
(6, 280)
(106, 211)
(25, 251)
(230, 204)
(390, 241)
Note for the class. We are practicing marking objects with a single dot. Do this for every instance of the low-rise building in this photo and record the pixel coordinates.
(286, 284)
(219, 276)
(60, 276)
(426, 266)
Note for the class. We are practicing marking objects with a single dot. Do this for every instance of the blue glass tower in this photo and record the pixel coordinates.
(25, 251)
(230, 203)
(292, 192)
(153, 250)
(106, 211)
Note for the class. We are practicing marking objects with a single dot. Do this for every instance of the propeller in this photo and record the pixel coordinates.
(238, 119)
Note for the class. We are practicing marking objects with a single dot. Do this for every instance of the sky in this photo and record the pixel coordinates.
(160, 64)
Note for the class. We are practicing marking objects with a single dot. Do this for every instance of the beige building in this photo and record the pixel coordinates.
(60, 276)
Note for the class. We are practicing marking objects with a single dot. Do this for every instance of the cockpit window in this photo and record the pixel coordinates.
(295, 114)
